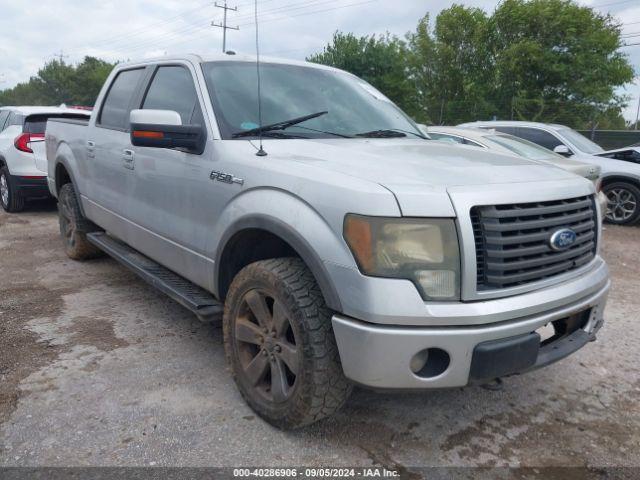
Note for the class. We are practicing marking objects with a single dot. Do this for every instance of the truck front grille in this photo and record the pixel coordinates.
(513, 241)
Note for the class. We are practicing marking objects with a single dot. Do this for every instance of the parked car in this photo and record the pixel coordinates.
(509, 144)
(620, 179)
(627, 154)
(23, 164)
(345, 249)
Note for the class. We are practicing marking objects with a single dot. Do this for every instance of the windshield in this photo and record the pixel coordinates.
(581, 142)
(352, 106)
(524, 148)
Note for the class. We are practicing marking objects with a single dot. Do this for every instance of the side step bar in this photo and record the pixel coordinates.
(196, 299)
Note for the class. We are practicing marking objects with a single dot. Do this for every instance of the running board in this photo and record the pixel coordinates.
(196, 299)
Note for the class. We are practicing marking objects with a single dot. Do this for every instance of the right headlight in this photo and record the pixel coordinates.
(423, 250)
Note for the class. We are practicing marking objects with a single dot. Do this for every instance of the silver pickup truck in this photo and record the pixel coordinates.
(346, 250)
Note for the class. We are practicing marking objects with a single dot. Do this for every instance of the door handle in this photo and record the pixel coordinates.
(128, 159)
(90, 149)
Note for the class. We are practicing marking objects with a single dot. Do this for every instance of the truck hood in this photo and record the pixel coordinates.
(413, 162)
(420, 173)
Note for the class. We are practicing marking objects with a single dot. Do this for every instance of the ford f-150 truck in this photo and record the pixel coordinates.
(340, 246)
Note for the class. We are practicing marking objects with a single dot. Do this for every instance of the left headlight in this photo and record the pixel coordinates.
(423, 250)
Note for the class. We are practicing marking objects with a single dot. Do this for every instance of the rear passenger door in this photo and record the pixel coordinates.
(108, 146)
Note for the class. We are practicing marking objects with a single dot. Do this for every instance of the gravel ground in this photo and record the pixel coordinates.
(97, 368)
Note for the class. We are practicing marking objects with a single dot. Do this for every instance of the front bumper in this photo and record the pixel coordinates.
(383, 356)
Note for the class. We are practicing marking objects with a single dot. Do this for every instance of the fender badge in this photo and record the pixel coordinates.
(225, 178)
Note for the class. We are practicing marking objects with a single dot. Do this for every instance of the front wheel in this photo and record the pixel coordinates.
(280, 344)
(10, 198)
(623, 203)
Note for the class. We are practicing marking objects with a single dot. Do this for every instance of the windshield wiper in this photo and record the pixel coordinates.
(389, 133)
(277, 126)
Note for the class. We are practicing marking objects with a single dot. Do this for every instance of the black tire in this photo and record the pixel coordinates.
(10, 198)
(74, 227)
(287, 289)
(623, 207)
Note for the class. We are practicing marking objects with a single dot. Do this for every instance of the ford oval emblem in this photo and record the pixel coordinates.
(562, 239)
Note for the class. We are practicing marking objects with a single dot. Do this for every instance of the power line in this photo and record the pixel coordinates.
(196, 29)
(612, 3)
(223, 25)
(289, 7)
(146, 28)
(315, 11)
(60, 56)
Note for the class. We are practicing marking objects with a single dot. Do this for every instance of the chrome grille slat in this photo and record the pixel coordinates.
(540, 259)
(532, 224)
(512, 241)
(495, 212)
(534, 237)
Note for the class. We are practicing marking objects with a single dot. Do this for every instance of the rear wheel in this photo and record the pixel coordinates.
(74, 227)
(10, 198)
(623, 203)
(280, 344)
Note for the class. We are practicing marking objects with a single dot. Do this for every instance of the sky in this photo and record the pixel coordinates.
(32, 33)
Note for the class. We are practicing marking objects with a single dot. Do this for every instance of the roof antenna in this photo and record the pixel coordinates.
(261, 152)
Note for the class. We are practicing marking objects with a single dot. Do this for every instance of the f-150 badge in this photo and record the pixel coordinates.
(225, 178)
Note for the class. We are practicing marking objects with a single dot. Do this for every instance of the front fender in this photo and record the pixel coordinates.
(293, 220)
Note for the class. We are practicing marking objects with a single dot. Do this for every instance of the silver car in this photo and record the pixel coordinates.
(620, 179)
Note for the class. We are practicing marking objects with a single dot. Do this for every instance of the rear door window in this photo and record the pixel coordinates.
(117, 104)
(172, 88)
(537, 136)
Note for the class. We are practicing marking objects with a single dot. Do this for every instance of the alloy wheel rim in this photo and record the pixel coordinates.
(621, 204)
(268, 353)
(4, 189)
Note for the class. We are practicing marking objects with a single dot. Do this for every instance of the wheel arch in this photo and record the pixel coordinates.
(260, 237)
(617, 177)
(63, 174)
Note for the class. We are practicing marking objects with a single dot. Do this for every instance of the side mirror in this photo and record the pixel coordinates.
(563, 150)
(164, 129)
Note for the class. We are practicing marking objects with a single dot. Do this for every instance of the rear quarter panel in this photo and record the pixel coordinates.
(65, 144)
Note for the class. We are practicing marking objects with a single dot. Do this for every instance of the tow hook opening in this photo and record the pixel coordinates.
(430, 362)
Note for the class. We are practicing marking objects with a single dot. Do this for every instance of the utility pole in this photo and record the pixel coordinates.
(60, 55)
(637, 113)
(223, 25)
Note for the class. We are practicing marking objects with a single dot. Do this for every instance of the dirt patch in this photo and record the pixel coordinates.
(21, 352)
(97, 332)
(548, 431)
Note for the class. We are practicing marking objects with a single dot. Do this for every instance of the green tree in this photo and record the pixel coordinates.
(58, 82)
(381, 61)
(544, 60)
(451, 65)
(555, 60)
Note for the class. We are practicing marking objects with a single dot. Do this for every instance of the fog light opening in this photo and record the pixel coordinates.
(430, 362)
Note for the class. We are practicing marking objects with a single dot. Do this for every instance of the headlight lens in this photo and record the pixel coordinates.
(424, 251)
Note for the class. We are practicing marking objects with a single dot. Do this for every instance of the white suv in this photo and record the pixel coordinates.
(23, 164)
